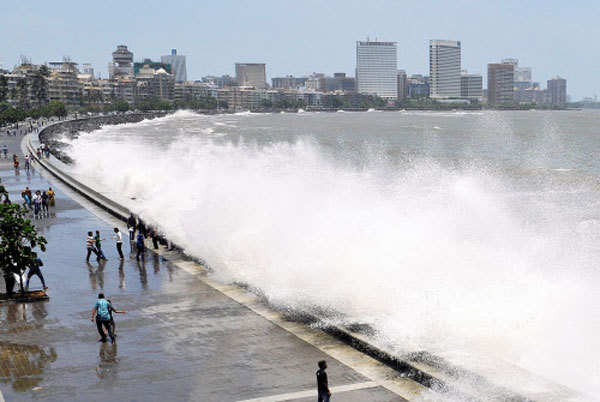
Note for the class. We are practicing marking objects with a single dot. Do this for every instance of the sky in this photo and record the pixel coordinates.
(553, 37)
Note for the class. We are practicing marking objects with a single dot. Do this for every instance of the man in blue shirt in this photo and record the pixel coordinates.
(101, 313)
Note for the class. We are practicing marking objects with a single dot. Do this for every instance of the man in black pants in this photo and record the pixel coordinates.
(131, 226)
(119, 238)
(34, 269)
(322, 383)
(101, 313)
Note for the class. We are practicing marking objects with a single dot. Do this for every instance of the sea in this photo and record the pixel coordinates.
(470, 235)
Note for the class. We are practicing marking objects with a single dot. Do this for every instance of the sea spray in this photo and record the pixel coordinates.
(453, 258)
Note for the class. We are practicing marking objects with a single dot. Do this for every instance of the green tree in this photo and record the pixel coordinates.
(22, 93)
(3, 88)
(18, 240)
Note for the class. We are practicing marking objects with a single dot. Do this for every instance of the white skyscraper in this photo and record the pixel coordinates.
(444, 69)
(377, 69)
(177, 63)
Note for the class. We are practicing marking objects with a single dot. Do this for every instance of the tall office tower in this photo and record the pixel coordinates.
(122, 64)
(177, 63)
(377, 69)
(557, 91)
(444, 68)
(251, 75)
(471, 86)
(402, 85)
(500, 83)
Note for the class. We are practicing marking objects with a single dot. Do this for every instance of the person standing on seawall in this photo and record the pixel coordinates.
(322, 383)
(119, 241)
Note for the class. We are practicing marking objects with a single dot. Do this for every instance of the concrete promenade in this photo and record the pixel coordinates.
(183, 337)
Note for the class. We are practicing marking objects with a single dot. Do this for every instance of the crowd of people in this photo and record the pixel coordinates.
(39, 203)
(138, 233)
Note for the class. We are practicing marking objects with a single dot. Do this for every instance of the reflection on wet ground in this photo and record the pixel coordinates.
(22, 366)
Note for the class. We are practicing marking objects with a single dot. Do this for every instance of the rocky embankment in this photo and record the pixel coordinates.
(72, 128)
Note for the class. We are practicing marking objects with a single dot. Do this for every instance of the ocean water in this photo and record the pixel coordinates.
(471, 235)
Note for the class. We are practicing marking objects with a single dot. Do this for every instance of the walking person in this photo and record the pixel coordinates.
(119, 241)
(27, 163)
(140, 246)
(131, 226)
(322, 383)
(101, 313)
(34, 269)
(89, 244)
(5, 151)
(98, 241)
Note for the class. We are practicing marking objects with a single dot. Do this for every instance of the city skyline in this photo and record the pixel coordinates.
(267, 33)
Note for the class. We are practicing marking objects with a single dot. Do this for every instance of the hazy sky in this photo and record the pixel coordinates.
(553, 37)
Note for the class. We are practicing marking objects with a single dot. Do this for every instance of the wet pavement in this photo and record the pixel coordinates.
(179, 340)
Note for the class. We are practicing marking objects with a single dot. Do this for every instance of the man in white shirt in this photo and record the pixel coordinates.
(119, 238)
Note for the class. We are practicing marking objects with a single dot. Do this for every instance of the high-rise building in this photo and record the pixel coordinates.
(500, 83)
(177, 62)
(377, 69)
(444, 68)
(122, 64)
(251, 75)
(471, 86)
(557, 91)
(402, 85)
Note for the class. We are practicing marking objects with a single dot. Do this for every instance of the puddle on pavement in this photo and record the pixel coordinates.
(22, 366)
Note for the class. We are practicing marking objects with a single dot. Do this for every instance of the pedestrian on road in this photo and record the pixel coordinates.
(98, 241)
(119, 239)
(101, 313)
(322, 383)
(140, 246)
(34, 269)
(89, 243)
(5, 151)
(131, 226)
(27, 163)
(51, 195)
(45, 203)
(37, 204)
